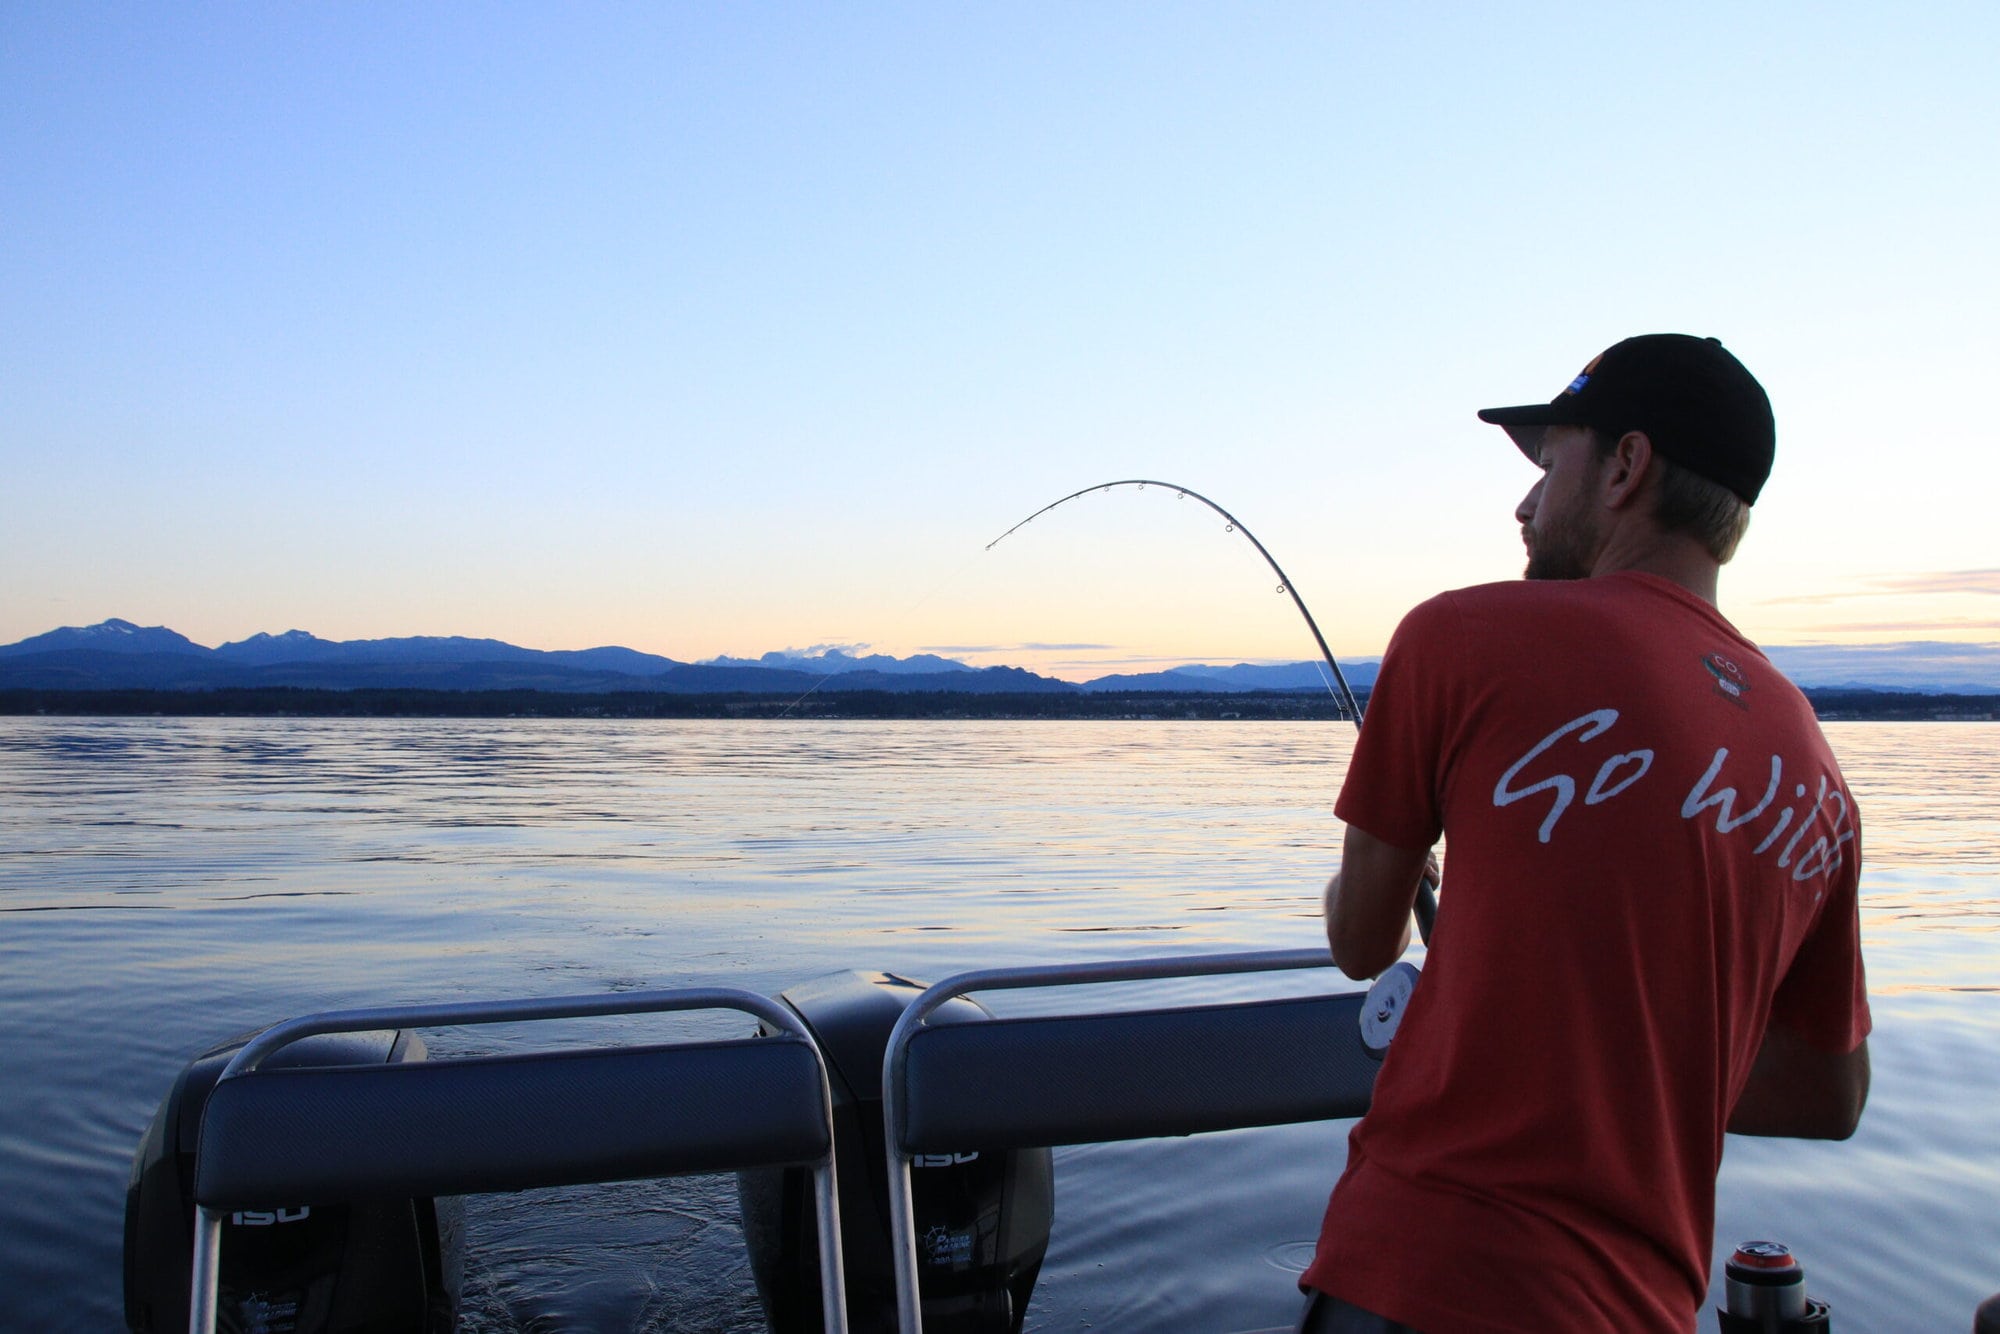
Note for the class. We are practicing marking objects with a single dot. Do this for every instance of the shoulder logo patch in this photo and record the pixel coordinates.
(1730, 681)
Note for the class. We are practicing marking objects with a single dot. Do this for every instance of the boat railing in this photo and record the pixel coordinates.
(344, 1134)
(1097, 1077)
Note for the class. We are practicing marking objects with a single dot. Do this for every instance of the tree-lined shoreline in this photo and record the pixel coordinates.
(282, 701)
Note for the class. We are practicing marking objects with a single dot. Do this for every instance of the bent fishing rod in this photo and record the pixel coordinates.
(1343, 696)
(1426, 905)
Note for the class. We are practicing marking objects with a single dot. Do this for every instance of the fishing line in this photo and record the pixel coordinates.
(1426, 906)
(810, 691)
(936, 588)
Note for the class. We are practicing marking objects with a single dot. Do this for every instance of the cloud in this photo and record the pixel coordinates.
(1888, 648)
(1935, 583)
(1015, 648)
(821, 650)
(1905, 665)
(1955, 581)
(1895, 627)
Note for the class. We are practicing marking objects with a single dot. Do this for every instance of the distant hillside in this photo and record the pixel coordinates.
(838, 662)
(1930, 667)
(119, 655)
(296, 647)
(1199, 678)
(112, 636)
(1838, 706)
(96, 669)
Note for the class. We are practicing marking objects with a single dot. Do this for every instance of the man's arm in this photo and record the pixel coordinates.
(1368, 903)
(1796, 1089)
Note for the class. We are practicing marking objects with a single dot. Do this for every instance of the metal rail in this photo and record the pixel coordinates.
(895, 1112)
(202, 1310)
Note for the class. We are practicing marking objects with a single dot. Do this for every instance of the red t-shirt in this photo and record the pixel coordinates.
(1651, 853)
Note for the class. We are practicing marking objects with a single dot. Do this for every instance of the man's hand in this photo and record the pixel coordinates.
(1368, 903)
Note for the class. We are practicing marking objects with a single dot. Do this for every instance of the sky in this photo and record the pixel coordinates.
(720, 328)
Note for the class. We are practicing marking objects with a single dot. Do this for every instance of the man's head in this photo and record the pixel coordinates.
(1705, 445)
(1562, 523)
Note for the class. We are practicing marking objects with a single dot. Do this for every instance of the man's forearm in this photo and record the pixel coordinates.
(1358, 959)
(1368, 904)
(1797, 1090)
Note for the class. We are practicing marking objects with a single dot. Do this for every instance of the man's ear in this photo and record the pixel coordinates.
(1623, 477)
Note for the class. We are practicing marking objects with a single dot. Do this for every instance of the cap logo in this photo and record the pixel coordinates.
(1576, 385)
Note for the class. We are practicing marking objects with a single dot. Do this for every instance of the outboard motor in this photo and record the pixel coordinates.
(302, 1269)
(982, 1218)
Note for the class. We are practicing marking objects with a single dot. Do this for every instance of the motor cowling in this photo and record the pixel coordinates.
(982, 1219)
(295, 1269)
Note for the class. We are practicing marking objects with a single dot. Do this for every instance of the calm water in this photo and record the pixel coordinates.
(165, 883)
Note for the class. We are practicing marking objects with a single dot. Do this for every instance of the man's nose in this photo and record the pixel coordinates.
(1525, 511)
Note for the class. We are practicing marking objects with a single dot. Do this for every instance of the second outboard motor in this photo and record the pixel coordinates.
(982, 1218)
(300, 1269)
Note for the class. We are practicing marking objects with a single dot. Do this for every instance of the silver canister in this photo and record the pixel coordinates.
(1763, 1282)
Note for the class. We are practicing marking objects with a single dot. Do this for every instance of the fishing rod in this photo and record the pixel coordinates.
(1342, 696)
(1426, 906)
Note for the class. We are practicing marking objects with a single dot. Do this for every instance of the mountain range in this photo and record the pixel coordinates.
(119, 655)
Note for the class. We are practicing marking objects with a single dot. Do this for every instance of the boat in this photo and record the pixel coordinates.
(891, 1141)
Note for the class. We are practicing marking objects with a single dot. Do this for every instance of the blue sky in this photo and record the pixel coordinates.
(720, 328)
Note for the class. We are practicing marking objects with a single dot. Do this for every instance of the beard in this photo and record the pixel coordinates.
(1565, 548)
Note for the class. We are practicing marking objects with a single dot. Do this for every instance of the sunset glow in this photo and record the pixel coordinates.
(712, 329)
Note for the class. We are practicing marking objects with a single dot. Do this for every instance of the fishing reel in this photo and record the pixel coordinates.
(1389, 995)
(1382, 1011)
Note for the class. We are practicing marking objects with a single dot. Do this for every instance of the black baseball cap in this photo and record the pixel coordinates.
(1695, 401)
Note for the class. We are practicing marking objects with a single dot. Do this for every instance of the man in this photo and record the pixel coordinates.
(1648, 934)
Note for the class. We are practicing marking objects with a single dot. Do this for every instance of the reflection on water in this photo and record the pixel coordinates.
(168, 882)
